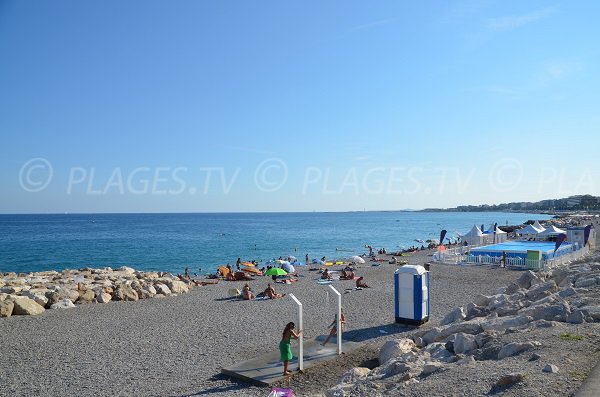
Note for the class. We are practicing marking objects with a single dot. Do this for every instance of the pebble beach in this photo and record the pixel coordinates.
(177, 345)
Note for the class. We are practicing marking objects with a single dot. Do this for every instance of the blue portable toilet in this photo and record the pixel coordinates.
(411, 291)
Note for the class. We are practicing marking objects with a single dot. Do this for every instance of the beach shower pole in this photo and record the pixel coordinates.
(301, 338)
(339, 319)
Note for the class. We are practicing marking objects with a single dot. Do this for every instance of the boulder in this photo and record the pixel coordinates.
(354, 374)
(542, 290)
(61, 293)
(341, 390)
(124, 292)
(586, 282)
(576, 317)
(394, 348)
(86, 296)
(431, 336)
(565, 293)
(472, 327)
(27, 306)
(63, 304)
(162, 289)
(502, 323)
(510, 379)
(592, 312)
(178, 287)
(37, 295)
(548, 312)
(514, 348)
(525, 281)
(457, 314)
(551, 369)
(438, 352)
(481, 300)
(6, 308)
(126, 269)
(464, 343)
(431, 367)
(102, 296)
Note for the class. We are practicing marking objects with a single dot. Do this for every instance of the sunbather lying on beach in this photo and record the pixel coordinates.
(242, 276)
(326, 275)
(360, 283)
(270, 292)
(247, 293)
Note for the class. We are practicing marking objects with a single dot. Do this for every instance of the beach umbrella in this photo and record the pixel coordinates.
(357, 259)
(298, 263)
(250, 264)
(318, 262)
(275, 271)
(251, 270)
(288, 268)
(291, 258)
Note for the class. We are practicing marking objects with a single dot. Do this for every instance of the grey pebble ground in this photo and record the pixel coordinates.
(176, 346)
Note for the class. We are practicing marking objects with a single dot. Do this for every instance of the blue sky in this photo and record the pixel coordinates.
(143, 106)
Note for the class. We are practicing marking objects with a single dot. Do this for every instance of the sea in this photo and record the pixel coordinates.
(203, 241)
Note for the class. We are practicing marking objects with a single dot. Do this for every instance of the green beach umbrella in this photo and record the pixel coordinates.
(275, 271)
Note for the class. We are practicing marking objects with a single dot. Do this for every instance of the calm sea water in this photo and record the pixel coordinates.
(169, 242)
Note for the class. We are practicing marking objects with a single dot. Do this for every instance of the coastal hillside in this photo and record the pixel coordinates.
(572, 203)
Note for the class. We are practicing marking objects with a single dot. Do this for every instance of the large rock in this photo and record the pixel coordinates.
(472, 327)
(431, 367)
(86, 296)
(542, 290)
(124, 292)
(162, 289)
(586, 282)
(354, 374)
(26, 306)
(60, 294)
(525, 281)
(514, 348)
(551, 369)
(37, 295)
(63, 304)
(457, 314)
(438, 352)
(178, 287)
(502, 323)
(102, 296)
(481, 300)
(394, 348)
(548, 312)
(6, 308)
(464, 343)
(431, 336)
(577, 317)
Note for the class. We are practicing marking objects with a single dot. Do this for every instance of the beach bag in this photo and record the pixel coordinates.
(277, 392)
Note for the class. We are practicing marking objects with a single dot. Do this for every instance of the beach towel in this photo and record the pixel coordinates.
(324, 282)
(277, 392)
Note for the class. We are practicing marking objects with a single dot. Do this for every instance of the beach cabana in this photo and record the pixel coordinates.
(500, 235)
(528, 231)
(551, 231)
(538, 227)
(474, 237)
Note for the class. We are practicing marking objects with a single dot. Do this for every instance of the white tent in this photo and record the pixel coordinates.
(528, 230)
(474, 236)
(551, 231)
(501, 236)
(538, 227)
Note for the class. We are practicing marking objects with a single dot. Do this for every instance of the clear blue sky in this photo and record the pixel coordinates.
(144, 106)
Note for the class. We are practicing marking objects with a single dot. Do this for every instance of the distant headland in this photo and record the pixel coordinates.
(573, 203)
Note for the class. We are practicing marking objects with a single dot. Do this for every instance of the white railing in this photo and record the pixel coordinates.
(455, 257)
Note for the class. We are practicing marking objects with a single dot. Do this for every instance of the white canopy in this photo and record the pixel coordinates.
(474, 232)
(529, 229)
(499, 231)
(539, 227)
(551, 231)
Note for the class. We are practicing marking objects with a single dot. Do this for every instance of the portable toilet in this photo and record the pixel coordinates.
(411, 285)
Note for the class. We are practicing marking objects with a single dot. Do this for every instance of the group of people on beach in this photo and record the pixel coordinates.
(269, 292)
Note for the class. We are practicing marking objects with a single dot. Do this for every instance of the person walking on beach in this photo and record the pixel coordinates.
(333, 327)
(285, 348)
